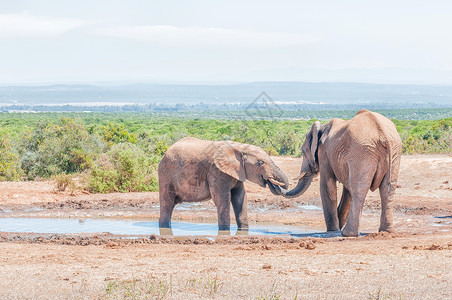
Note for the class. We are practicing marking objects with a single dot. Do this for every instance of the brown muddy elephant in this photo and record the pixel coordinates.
(362, 153)
(196, 170)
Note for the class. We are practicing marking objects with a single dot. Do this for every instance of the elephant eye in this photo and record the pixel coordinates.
(260, 163)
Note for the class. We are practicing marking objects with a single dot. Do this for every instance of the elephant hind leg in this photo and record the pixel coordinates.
(357, 201)
(344, 207)
(238, 200)
(359, 186)
(387, 191)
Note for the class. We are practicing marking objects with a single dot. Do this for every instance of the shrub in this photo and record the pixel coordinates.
(63, 147)
(155, 146)
(116, 133)
(10, 169)
(426, 136)
(125, 168)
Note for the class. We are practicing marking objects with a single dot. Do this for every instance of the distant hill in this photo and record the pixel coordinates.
(283, 92)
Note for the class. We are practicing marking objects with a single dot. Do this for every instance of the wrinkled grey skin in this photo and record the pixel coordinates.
(196, 170)
(362, 153)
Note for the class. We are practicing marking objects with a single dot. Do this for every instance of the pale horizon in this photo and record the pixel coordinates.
(50, 42)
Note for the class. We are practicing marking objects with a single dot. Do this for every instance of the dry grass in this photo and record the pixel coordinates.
(380, 268)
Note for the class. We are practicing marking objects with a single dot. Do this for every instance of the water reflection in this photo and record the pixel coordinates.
(195, 229)
(166, 231)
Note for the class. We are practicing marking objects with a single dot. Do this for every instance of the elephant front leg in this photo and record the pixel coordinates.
(222, 200)
(328, 193)
(239, 204)
(167, 202)
(165, 216)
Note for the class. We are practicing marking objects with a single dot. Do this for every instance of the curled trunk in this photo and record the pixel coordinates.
(301, 187)
(280, 178)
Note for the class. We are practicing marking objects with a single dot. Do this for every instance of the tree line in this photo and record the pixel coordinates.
(105, 152)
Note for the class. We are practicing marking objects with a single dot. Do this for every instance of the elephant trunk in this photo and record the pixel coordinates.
(278, 181)
(303, 184)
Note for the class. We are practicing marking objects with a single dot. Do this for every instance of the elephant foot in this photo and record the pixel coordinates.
(347, 232)
(242, 226)
(224, 227)
(224, 232)
(332, 228)
(242, 232)
(164, 223)
(242, 229)
(388, 229)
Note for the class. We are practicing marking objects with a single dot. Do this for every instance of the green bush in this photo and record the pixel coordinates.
(425, 136)
(154, 146)
(10, 169)
(63, 147)
(116, 133)
(125, 168)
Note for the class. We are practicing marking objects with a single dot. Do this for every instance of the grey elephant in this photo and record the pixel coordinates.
(196, 170)
(362, 153)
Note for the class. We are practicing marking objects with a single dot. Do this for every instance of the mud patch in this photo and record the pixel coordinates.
(245, 242)
(433, 246)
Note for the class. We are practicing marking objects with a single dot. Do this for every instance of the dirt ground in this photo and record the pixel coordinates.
(413, 263)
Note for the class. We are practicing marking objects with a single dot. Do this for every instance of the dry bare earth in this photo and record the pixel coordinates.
(416, 262)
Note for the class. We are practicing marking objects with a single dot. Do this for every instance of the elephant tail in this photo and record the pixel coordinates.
(390, 150)
(394, 153)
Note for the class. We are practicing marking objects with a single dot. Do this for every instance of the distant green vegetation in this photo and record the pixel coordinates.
(121, 151)
(322, 114)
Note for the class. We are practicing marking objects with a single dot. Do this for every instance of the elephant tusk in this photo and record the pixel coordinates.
(275, 182)
(300, 176)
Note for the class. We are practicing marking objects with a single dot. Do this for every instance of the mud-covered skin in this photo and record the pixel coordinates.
(363, 154)
(197, 170)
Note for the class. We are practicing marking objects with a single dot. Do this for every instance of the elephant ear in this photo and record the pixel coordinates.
(314, 137)
(229, 160)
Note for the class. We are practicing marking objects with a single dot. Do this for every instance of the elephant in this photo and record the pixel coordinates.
(362, 153)
(197, 170)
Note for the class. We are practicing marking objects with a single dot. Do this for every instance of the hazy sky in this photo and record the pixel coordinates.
(225, 41)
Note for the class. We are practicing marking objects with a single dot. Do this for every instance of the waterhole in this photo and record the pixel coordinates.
(130, 227)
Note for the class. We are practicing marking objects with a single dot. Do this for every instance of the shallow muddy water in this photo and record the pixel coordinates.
(128, 227)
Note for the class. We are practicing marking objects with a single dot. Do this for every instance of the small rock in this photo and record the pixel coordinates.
(266, 266)
(266, 247)
(310, 246)
(307, 245)
(435, 247)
